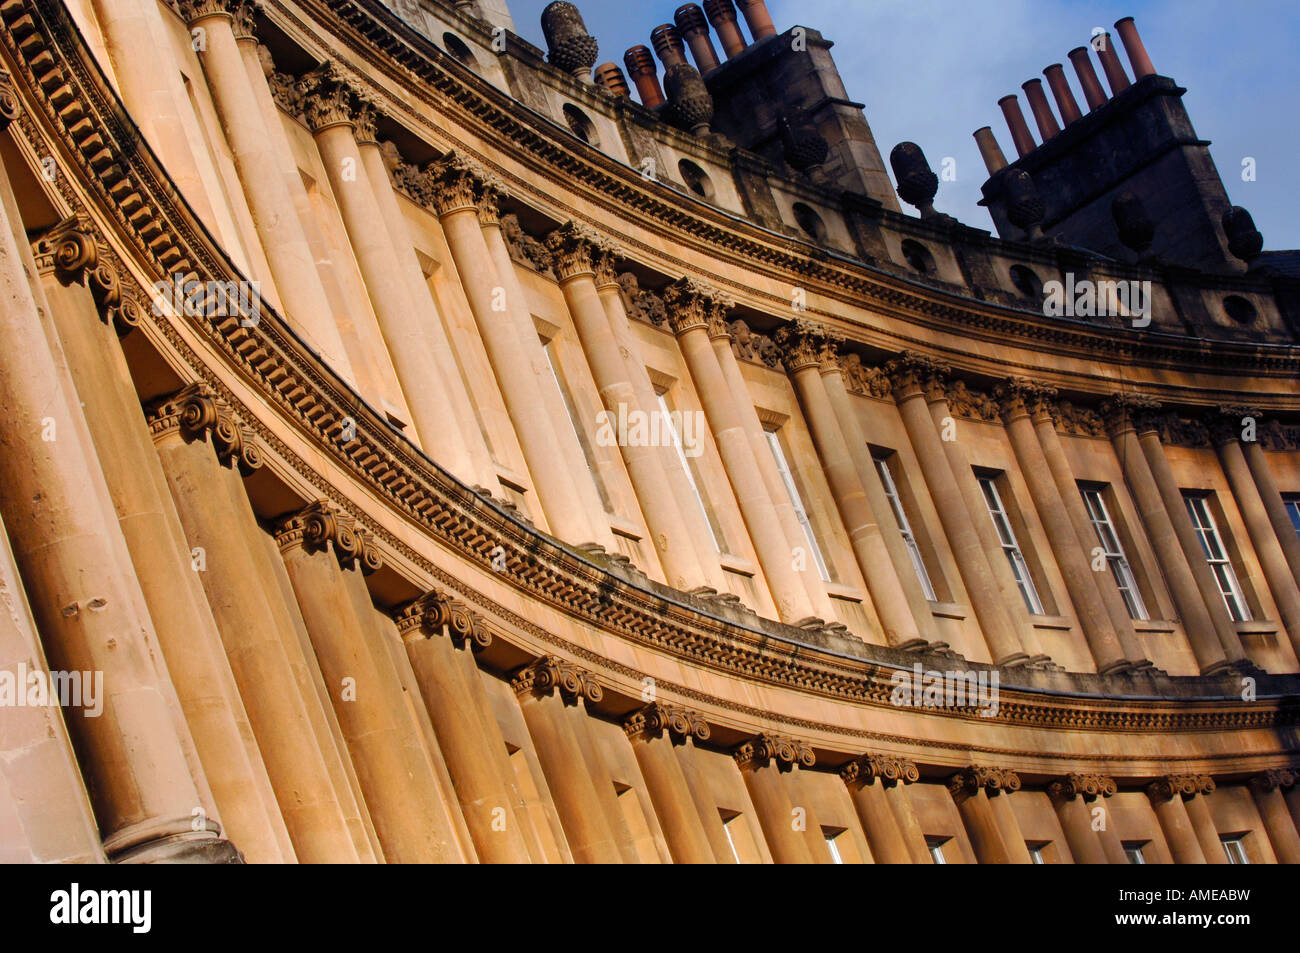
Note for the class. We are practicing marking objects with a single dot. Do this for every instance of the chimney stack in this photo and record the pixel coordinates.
(695, 31)
(990, 151)
(1137, 52)
(640, 65)
(1087, 78)
(1020, 135)
(668, 44)
(722, 14)
(611, 77)
(1039, 107)
(759, 20)
(1115, 74)
(1062, 94)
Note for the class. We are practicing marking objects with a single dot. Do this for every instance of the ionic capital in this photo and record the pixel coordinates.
(1186, 786)
(10, 107)
(436, 613)
(692, 303)
(550, 674)
(655, 719)
(70, 251)
(872, 767)
(1274, 779)
(806, 344)
(197, 413)
(969, 781)
(1087, 786)
(912, 374)
(323, 527)
(765, 749)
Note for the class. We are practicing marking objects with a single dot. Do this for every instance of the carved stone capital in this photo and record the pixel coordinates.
(1186, 786)
(969, 781)
(322, 527)
(551, 674)
(327, 99)
(197, 413)
(692, 303)
(436, 613)
(885, 768)
(1228, 424)
(455, 183)
(365, 122)
(764, 749)
(806, 344)
(911, 374)
(1274, 779)
(1087, 786)
(577, 250)
(1122, 412)
(194, 10)
(70, 251)
(10, 107)
(659, 717)
(1021, 397)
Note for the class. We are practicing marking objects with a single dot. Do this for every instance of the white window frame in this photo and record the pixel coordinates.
(1036, 853)
(667, 421)
(830, 845)
(1120, 569)
(1134, 853)
(726, 829)
(905, 528)
(1292, 504)
(1216, 554)
(1010, 545)
(1235, 848)
(935, 847)
(796, 501)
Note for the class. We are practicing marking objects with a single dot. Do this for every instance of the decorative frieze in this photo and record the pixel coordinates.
(764, 749)
(550, 674)
(436, 612)
(524, 248)
(197, 413)
(1186, 786)
(753, 346)
(965, 401)
(321, 527)
(886, 769)
(641, 304)
(864, 380)
(1087, 786)
(655, 719)
(1077, 421)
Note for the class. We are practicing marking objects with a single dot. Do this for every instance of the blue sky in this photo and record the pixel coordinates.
(932, 71)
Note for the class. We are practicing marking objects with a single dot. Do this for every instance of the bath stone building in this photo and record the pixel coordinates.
(421, 446)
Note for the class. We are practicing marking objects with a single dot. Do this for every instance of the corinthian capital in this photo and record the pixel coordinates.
(1087, 786)
(1019, 397)
(912, 374)
(578, 250)
(551, 674)
(197, 413)
(1130, 411)
(882, 767)
(436, 613)
(455, 183)
(1186, 786)
(659, 717)
(327, 99)
(322, 527)
(805, 343)
(765, 749)
(692, 303)
(241, 12)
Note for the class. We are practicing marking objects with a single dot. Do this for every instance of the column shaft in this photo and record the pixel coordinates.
(1198, 812)
(900, 802)
(703, 800)
(1184, 846)
(1283, 528)
(688, 843)
(879, 824)
(1005, 817)
(982, 828)
(776, 815)
(1076, 822)
(1278, 823)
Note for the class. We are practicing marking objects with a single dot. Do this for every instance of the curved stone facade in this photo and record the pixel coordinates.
(415, 451)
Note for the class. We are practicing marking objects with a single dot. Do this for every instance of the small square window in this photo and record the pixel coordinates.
(1133, 851)
(935, 846)
(1235, 848)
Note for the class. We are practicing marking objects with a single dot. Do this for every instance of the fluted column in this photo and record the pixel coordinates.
(87, 602)
(1266, 788)
(194, 434)
(967, 788)
(1168, 796)
(410, 826)
(456, 190)
(544, 688)
(692, 306)
(1225, 431)
(1019, 399)
(911, 375)
(577, 254)
(866, 778)
(1283, 528)
(1042, 413)
(652, 731)
(283, 240)
(90, 310)
(761, 761)
(435, 630)
(1070, 796)
(809, 351)
(1120, 415)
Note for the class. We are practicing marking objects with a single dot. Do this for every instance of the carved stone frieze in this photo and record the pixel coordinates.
(524, 248)
(641, 304)
(750, 345)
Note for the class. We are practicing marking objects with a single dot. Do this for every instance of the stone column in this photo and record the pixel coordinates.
(1167, 797)
(999, 795)
(1148, 435)
(333, 111)
(702, 797)
(900, 802)
(86, 601)
(456, 188)
(436, 630)
(1043, 414)
(79, 289)
(283, 239)
(884, 836)
(1266, 788)
(410, 827)
(544, 688)
(967, 788)
(195, 433)
(1225, 431)
(808, 352)
(911, 374)
(1071, 796)
(1120, 415)
(692, 308)
(652, 731)
(1019, 398)
(577, 253)
(1283, 528)
(761, 761)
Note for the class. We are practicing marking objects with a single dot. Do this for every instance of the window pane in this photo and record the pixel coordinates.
(1019, 568)
(1110, 544)
(792, 490)
(714, 533)
(905, 527)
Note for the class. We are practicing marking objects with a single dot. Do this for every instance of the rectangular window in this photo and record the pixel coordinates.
(935, 846)
(905, 527)
(830, 836)
(715, 532)
(1198, 507)
(726, 829)
(801, 514)
(1007, 537)
(1036, 851)
(1235, 848)
(579, 433)
(1133, 851)
(1115, 558)
(1292, 503)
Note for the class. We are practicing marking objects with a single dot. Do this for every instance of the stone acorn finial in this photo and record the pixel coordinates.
(689, 97)
(1025, 207)
(568, 44)
(1134, 225)
(803, 148)
(1244, 239)
(917, 183)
